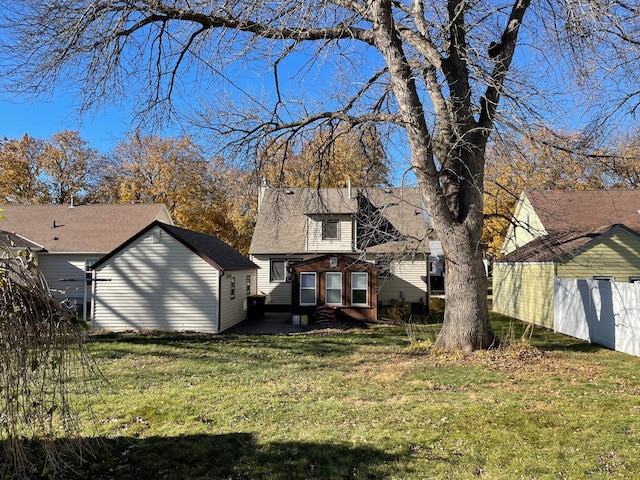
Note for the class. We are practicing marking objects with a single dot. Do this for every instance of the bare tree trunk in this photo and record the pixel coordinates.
(456, 213)
(466, 324)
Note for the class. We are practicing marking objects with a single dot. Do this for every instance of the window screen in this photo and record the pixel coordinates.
(334, 288)
(359, 283)
(307, 288)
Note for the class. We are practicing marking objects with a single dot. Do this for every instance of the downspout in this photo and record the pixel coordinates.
(428, 299)
(219, 299)
(354, 236)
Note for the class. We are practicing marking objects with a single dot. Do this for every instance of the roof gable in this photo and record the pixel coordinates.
(280, 225)
(95, 228)
(208, 247)
(560, 246)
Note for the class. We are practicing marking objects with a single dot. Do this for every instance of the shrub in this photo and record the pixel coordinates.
(45, 371)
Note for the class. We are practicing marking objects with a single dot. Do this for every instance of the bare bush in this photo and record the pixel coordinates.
(46, 373)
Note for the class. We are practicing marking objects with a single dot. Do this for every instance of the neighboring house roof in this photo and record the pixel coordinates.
(13, 240)
(559, 246)
(96, 228)
(563, 210)
(280, 226)
(208, 247)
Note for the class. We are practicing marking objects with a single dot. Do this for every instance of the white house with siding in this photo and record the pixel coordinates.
(384, 226)
(169, 278)
(68, 239)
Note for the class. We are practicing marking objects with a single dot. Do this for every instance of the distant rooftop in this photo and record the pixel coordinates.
(96, 228)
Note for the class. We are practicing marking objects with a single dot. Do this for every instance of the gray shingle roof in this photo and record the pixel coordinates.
(13, 240)
(208, 247)
(280, 226)
(97, 228)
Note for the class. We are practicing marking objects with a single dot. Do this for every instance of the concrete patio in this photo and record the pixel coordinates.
(273, 323)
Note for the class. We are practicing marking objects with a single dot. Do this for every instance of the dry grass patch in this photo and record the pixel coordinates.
(394, 370)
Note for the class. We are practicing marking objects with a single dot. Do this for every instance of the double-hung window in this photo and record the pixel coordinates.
(307, 288)
(359, 288)
(333, 288)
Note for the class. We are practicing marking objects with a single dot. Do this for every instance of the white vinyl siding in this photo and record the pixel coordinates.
(277, 293)
(407, 282)
(65, 274)
(160, 285)
(234, 310)
(343, 242)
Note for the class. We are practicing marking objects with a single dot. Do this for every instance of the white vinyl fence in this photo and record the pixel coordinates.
(601, 312)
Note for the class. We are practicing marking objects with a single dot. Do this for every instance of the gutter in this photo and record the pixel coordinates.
(220, 275)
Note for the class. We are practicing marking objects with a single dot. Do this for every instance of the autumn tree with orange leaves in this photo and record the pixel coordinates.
(329, 159)
(34, 171)
(541, 160)
(172, 171)
(20, 169)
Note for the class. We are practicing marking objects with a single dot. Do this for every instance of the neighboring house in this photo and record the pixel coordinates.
(169, 278)
(384, 226)
(68, 239)
(540, 212)
(570, 235)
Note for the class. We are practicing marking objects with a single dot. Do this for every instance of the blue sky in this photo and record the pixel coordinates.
(43, 118)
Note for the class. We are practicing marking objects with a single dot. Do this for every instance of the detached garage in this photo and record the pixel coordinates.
(169, 278)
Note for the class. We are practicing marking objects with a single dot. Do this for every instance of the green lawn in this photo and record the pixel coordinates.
(362, 404)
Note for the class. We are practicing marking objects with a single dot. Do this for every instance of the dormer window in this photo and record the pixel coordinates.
(330, 230)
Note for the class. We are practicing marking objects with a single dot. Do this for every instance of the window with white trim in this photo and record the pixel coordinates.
(603, 278)
(279, 269)
(307, 288)
(333, 282)
(634, 279)
(248, 284)
(278, 272)
(359, 288)
(232, 287)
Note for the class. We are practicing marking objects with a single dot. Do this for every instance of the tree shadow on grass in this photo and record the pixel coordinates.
(186, 345)
(226, 456)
